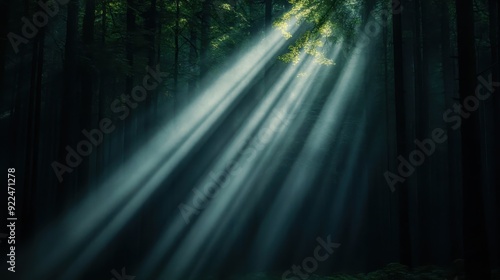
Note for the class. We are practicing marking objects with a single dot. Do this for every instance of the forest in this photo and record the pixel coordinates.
(250, 139)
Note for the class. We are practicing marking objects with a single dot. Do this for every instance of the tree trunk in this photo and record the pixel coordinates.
(268, 21)
(129, 123)
(69, 111)
(475, 237)
(268, 17)
(404, 225)
(104, 21)
(494, 21)
(101, 99)
(33, 134)
(205, 37)
(151, 99)
(452, 144)
(88, 93)
(176, 51)
(4, 29)
(193, 55)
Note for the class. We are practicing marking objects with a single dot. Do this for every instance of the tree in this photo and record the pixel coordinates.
(176, 46)
(33, 131)
(4, 20)
(69, 109)
(452, 158)
(475, 237)
(193, 53)
(129, 80)
(205, 36)
(404, 224)
(151, 27)
(268, 19)
(88, 93)
(494, 35)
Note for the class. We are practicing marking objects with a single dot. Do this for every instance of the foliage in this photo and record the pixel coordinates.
(328, 21)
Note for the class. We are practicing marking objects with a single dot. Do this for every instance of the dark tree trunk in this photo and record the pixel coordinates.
(152, 61)
(69, 111)
(33, 134)
(268, 17)
(88, 24)
(176, 44)
(176, 50)
(268, 21)
(193, 55)
(4, 29)
(101, 98)
(494, 21)
(104, 21)
(205, 37)
(475, 237)
(421, 113)
(427, 59)
(493, 34)
(129, 123)
(88, 93)
(452, 144)
(404, 225)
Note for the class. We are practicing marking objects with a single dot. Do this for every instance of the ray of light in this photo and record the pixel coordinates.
(230, 152)
(190, 248)
(239, 196)
(283, 210)
(194, 121)
(252, 124)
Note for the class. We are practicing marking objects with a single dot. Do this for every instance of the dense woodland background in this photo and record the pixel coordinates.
(422, 61)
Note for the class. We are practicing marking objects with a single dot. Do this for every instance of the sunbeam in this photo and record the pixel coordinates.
(197, 119)
(250, 140)
(213, 222)
(295, 187)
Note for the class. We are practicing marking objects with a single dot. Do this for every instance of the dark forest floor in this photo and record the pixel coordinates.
(392, 271)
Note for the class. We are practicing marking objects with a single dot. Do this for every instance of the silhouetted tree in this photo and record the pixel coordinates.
(475, 238)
